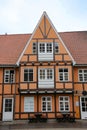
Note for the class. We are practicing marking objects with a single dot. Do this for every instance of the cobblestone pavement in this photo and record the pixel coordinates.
(50, 125)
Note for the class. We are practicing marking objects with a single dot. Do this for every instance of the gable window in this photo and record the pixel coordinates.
(28, 75)
(83, 75)
(46, 104)
(45, 47)
(63, 103)
(45, 51)
(28, 104)
(9, 76)
(63, 74)
(42, 48)
(49, 47)
(34, 48)
(56, 48)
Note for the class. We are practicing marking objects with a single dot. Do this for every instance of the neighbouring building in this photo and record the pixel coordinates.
(45, 71)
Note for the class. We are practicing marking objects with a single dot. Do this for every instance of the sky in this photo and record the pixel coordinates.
(22, 16)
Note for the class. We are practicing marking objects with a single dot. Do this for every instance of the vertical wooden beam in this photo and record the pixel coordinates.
(45, 27)
(53, 49)
(19, 95)
(73, 89)
(2, 94)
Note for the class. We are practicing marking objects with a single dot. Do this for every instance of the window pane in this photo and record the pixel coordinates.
(25, 76)
(30, 77)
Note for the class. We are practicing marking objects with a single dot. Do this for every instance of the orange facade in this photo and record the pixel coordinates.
(54, 90)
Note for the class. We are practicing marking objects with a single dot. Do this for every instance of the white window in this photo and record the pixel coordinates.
(63, 74)
(28, 75)
(49, 48)
(34, 48)
(45, 51)
(28, 104)
(46, 78)
(45, 48)
(42, 48)
(9, 76)
(46, 74)
(83, 75)
(46, 104)
(63, 103)
(56, 48)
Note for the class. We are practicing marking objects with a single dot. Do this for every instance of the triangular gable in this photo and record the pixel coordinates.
(45, 29)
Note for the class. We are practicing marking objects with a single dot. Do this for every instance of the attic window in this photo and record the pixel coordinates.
(34, 48)
(56, 48)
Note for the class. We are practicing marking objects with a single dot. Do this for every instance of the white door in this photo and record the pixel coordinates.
(7, 109)
(83, 102)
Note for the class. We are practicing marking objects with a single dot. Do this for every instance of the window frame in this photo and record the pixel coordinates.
(64, 102)
(46, 50)
(28, 74)
(56, 50)
(46, 103)
(30, 107)
(83, 77)
(34, 48)
(10, 78)
(63, 75)
(46, 74)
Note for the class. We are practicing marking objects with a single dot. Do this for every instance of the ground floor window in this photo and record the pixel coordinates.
(47, 104)
(28, 104)
(64, 103)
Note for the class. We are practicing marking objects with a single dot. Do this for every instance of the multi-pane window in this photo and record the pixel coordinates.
(42, 74)
(56, 48)
(64, 103)
(9, 76)
(49, 74)
(28, 75)
(42, 48)
(45, 48)
(49, 47)
(29, 104)
(8, 105)
(46, 104)
(63, 74)
(83, 75)
(46, 74)
(34, 48)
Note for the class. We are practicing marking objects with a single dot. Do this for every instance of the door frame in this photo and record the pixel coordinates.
(81, 106)
(4, 108)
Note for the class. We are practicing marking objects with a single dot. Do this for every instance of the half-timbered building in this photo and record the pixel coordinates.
(43, 72)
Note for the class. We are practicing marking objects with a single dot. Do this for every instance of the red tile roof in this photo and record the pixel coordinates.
(11, 46)
(76, 43)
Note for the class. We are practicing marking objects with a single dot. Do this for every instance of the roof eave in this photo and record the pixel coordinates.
(8, 65)
(82, 65)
